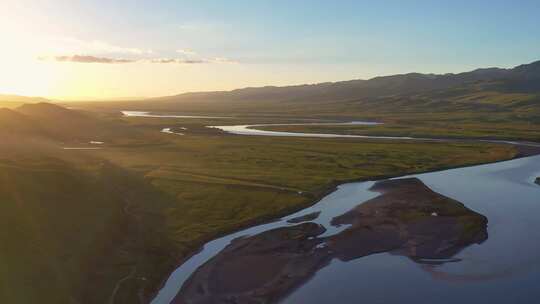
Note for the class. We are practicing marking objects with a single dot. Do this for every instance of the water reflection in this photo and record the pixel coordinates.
(504, 269)
(407, 219)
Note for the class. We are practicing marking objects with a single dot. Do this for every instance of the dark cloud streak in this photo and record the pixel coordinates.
(180, 61)
(91, 59)
(109, 60)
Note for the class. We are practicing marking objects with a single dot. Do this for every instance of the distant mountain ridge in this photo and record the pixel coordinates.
(375, 87)
(514, 92)
(485, 90)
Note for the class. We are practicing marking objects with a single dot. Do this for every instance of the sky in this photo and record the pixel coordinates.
(103, 49)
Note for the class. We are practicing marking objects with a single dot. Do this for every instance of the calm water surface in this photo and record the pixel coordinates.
(503, 269)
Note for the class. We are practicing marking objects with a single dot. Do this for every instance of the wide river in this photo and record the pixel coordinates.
(503, 269)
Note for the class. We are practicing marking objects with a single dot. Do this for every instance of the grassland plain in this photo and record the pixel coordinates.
(108, 225)
(224, 182)
(474, 115)
(428, 128)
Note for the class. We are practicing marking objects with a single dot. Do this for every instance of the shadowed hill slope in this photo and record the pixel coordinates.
(13, 101)
(72, 230)
(46, 121)
(13, 122)
(73, 224)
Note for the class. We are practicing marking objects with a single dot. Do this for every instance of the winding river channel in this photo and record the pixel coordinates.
(504, 268)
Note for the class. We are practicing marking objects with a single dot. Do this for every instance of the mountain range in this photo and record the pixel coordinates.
(523, 78)
(485, 90)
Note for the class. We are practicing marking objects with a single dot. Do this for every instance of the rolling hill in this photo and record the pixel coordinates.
(47, 121)
(12, 122)
(13, 101)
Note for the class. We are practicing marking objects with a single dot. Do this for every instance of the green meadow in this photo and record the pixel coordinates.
(109, 225)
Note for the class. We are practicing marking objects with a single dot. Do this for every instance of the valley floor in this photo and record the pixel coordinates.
(223, 183)
(147, 203)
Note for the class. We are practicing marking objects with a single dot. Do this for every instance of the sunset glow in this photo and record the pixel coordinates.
(99, 49)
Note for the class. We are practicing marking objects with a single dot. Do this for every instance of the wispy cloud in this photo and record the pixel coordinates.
(192, 61)
(96, 51)
(186, 52)
(223, 60)
(88, 59)
(68, 49)
(110, 60)
(178, 60)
